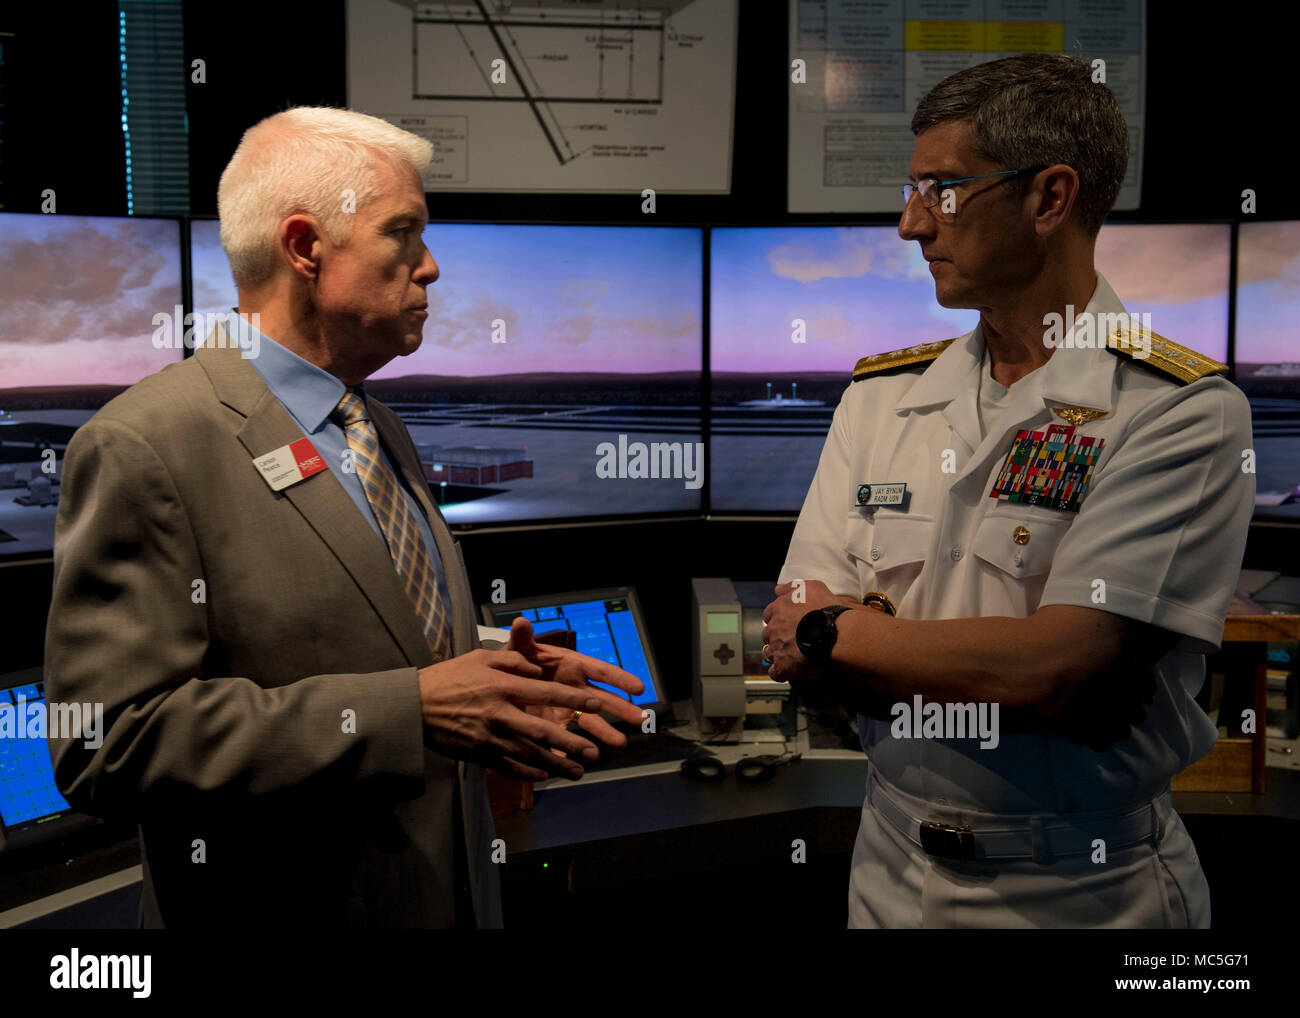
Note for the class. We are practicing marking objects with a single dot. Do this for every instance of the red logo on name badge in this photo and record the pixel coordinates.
(305, 455)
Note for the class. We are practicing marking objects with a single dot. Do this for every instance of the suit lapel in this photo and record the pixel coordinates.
(321, 500)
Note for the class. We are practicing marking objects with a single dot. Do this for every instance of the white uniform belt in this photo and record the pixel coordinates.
(1003, 836)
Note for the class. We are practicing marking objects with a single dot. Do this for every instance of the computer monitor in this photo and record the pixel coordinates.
(560, 373)
(1179, 273)
(609, 625)
(212, 287)
(87, 309)
(792, 309)
(31, 807)
(1268, 359)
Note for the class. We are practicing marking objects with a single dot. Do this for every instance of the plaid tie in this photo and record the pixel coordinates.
(397, 522)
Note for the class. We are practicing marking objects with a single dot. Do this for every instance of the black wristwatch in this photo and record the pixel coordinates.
(815, 634)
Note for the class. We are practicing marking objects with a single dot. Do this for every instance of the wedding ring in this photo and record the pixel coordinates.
(576, 714)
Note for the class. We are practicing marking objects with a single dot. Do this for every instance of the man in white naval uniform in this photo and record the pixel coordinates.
(1066, 546)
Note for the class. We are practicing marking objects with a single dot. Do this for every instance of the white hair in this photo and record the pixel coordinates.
(304, 160)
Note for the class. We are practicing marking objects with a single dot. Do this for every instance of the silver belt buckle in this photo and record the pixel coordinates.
(948, 841)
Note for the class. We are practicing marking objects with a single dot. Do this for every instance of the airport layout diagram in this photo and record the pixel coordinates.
(554, 95)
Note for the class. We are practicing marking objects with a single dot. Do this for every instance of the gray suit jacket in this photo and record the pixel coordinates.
(226, 703)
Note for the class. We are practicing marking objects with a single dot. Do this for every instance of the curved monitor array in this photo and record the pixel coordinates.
(562, 370)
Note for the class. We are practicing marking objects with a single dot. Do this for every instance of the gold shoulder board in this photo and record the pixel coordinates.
(879, 362)
(1166, 356)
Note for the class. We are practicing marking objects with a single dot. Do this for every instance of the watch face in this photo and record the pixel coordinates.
(811, 635)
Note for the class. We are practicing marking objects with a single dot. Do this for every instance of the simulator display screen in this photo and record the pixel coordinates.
(1268, 358)
(559, 374)
(794, 308)
(79, 296)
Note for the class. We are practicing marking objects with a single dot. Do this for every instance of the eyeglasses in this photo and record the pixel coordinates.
(931, 190)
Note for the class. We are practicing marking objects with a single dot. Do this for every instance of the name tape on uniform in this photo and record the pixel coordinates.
(892, 493)
(289, 464)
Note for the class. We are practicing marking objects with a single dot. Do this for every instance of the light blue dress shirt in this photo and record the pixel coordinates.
(311, 394)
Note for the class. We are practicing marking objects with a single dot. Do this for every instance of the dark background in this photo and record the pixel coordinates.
(1219, 100)
(1220, 95)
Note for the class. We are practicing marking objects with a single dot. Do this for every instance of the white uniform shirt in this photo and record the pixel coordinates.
(994, 397)
(1162, 524)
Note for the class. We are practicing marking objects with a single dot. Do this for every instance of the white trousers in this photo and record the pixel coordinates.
(895, 884)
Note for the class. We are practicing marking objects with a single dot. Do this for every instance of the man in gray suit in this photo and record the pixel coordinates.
(282, 634)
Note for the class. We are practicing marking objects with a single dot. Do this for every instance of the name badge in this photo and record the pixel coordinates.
(882, 494)
(289, 464)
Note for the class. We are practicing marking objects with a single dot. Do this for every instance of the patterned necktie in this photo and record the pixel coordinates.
(397, 522)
